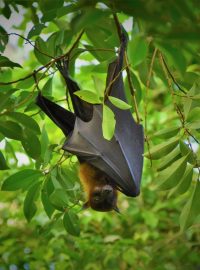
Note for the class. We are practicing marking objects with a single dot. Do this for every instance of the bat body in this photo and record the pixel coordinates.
(105, 166)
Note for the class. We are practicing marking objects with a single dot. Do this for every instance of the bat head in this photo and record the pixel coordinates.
(102, 195)
(103, 199)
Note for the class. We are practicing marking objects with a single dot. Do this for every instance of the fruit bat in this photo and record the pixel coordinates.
(106, 166)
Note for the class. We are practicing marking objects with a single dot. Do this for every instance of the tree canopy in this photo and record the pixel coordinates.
(41, 221)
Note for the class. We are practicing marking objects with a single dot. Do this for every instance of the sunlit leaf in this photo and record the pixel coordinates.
(109, 122)
(88, 96)
(119, 103)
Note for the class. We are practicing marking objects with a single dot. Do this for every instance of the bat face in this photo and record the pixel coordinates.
(103, 198)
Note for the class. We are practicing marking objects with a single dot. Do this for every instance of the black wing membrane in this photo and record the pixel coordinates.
(82, 108)
(64, 119)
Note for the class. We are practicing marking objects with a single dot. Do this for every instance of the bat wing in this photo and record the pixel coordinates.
(64, 119)
(82, 108)
(122, 157)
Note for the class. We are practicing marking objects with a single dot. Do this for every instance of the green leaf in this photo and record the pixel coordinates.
(21, 180)
(185, 182)
(41, 51)
(189, 103)
(11, 130)
(191, 209)
(195, 125)
(88, 96)
(194, 115)
(44, 141)
(162, 149)
(48, 154)
(48, 207)
(109, 122)
(26, 84)
(99, 85)
(106, 28)
(5, 99)
(65, 10)
(169, 159)
(31, 144)
(25, 120)
(185, 150)
(100, 55)
(36, 30)
(6, 11)
(3, 39)
(174, 55)
(137, 50)
(85, 19)
(172, 175)
(137, 87)
(29, 202)
(5, 62)
(167, 132)
(71, 223)
(59, 199)
(119, 103)
(47, 88)
(3, 164)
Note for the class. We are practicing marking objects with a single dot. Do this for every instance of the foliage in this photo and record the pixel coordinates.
(163, 90)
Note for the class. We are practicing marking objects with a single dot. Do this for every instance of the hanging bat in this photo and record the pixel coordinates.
(106, 167)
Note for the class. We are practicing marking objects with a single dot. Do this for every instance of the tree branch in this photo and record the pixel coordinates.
(67, 54)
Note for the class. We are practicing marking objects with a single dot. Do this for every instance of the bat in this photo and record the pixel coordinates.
(106, 167)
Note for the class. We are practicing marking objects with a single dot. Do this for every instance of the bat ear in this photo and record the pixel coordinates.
(86, 205)
(116, 209)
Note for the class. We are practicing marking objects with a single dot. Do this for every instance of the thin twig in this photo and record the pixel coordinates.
(178, 110)
(15, 34)
(108, 88)
(75, 44)
(132, 90)
(117, 23)
(146, 102)
(47, 64)
(172, 77)
(119, 30)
